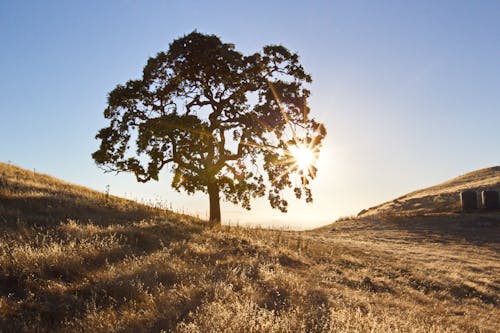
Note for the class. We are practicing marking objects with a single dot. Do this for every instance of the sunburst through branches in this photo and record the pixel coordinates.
(302, 157)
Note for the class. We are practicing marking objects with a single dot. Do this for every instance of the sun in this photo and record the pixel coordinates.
(303, 157)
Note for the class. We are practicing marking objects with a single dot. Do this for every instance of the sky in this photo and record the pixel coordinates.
(409, 91)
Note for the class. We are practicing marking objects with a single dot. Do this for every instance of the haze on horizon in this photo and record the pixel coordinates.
(407, 92)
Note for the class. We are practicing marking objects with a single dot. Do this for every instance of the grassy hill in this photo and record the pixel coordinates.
(73, 260)
(442, 198)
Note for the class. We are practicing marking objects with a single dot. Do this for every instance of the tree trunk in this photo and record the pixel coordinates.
(213, 194)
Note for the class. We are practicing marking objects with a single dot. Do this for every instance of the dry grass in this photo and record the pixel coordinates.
(441, 198)
(132, 268)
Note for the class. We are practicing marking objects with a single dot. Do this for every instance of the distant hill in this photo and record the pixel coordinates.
(441, 198)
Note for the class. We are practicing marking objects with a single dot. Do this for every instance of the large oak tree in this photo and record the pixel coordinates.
(222, 122)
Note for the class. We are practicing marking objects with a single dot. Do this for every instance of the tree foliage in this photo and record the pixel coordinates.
(220, 121)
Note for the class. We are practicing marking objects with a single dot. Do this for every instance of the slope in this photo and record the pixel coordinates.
(441, 198)
(34, 198)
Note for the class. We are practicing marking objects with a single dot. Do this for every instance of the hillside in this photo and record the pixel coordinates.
(441, 198)
(43, 200)
(72, 260)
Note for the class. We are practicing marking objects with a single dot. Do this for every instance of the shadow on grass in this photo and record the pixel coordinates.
(76, 288)
(477, 229)
(50, 211)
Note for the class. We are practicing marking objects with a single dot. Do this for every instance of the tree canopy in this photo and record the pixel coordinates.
(222, 122)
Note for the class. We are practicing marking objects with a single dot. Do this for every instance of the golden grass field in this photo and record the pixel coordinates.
(72, 260)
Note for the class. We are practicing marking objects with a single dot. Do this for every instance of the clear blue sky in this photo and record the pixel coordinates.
(409, 91)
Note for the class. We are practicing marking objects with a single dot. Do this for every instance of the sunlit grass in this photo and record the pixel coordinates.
(162, 272)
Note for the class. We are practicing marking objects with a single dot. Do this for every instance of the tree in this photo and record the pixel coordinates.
(218, 120)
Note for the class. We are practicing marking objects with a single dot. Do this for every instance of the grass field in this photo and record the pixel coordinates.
(72, 259)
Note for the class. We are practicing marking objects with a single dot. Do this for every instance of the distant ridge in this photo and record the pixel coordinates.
(441, 198)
